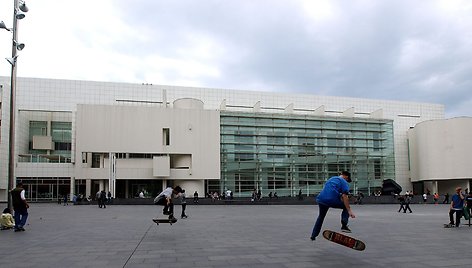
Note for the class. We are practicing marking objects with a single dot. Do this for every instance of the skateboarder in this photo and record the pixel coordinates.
(165, 199)
(334, 195)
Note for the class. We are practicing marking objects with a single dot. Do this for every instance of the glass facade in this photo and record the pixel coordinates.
(286, 153)
(61, 133)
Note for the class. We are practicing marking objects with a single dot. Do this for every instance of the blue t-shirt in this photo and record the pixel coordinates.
(332, 191)
(458, 203)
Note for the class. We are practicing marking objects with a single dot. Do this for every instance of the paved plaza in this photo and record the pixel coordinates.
(227, 236)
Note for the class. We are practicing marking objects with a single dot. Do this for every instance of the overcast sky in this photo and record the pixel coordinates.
(408, 50)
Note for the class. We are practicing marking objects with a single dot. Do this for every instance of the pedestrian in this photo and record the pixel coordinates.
(103, 199)
(20, 206)
(165, 199)
(469, 202)
(457, 206)
(446, 198)
(407, 203)
(425, 198)
(436, 198)
(109, 198)
(183, 202)
(6, 221)
(65, 200)
(335, 194)
(195, 197)
(401, 198)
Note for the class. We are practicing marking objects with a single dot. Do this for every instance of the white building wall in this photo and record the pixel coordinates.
(64, 95)
(440, 151)
(134, 129)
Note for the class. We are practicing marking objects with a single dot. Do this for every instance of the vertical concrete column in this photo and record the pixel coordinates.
(101, 185)
(88, 187)
(72, 187)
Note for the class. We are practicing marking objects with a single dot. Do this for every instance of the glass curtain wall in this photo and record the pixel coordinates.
(287, 153)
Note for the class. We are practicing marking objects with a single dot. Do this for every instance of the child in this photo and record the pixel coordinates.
(6, 221)
(165, 199)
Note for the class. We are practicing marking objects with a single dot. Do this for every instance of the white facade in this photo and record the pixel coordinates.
(62, 97)
(440, 153)
(183, 143)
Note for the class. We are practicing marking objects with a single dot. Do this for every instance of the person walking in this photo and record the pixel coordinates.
(407, 203)
(446, 198)
(457, 206)
(334, 195)
(401, 198)
(183, 202)
(20, 206)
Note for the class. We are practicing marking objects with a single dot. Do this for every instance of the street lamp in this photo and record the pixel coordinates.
(19, 8)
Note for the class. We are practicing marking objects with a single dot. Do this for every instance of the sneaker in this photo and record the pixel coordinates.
(312, 238)
(166, 212)
(345, 229)
(172, 219)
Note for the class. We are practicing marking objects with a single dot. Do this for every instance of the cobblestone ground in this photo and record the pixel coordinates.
(232, 236)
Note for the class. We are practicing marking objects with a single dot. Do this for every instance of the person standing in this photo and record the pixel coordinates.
(103, 199)
(195, 197)
(20, 206)
(457, 205)
(334, 195)
(183, 202)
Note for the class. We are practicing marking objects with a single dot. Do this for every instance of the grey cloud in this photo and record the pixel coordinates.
(358, 54)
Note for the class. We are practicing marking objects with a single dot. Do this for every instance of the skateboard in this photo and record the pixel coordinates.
(157, 221)
(344, 240)
(448, 225)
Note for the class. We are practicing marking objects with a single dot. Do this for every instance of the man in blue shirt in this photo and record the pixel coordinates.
(334, 195)
(457, 205)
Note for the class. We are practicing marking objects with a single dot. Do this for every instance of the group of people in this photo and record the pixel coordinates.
(103, 198)
(335, 194)
(20, 206)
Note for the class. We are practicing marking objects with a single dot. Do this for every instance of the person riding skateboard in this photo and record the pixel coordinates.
(165, 199)
(334, 195)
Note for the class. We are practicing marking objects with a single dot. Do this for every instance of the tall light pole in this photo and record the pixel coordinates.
(18, 8)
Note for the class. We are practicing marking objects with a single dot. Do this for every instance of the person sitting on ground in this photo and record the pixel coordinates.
(165, 199)
(7, 221)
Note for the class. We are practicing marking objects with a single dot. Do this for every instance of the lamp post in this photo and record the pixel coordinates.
(18, 8)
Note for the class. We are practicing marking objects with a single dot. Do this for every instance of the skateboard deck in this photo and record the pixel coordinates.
(157, 221)
(344, 240)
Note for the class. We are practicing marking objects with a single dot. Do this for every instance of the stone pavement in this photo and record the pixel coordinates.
(232, 236)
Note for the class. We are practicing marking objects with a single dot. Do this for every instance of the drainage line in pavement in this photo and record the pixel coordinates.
(142, 238)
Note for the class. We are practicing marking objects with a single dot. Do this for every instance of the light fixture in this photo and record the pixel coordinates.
(3, 26)
(20, 15)
(19, 46)
(23, 7)
(12, 61)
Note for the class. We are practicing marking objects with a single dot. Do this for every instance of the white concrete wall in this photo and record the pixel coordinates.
(64, 95)
(135, 129)
(441, 150)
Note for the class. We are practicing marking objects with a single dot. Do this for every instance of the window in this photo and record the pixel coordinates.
(95, 160)
(166, 136)
(84, 158)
